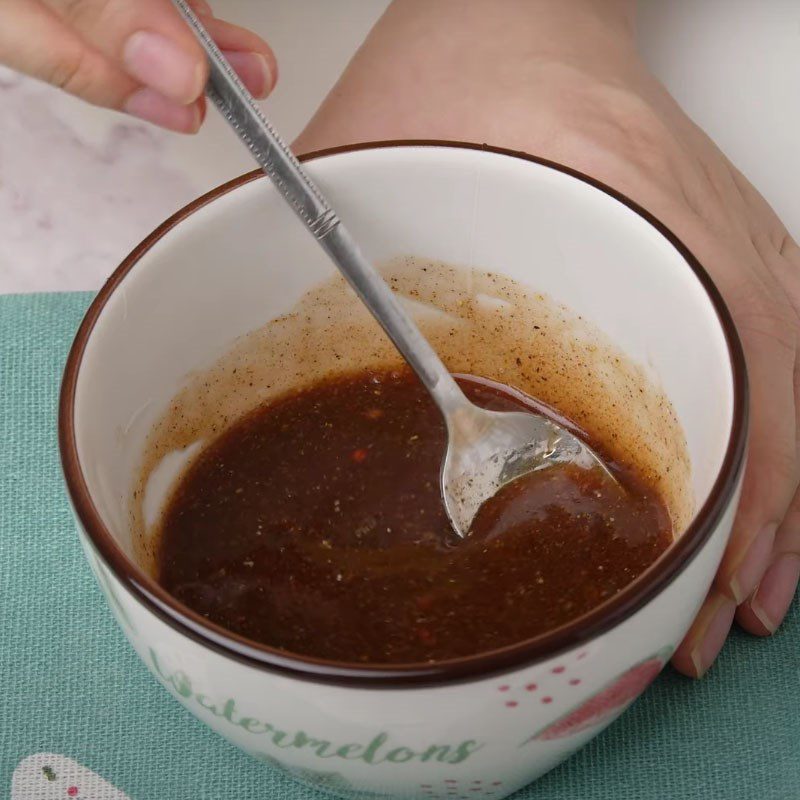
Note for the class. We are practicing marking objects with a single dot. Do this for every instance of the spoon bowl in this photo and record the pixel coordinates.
(488, 449)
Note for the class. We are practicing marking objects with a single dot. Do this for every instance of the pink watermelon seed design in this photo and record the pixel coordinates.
(608, 702)
(574, 681)
(531, 687)
(504, 688)
(512, 703)
(547, 700)
(557, 670)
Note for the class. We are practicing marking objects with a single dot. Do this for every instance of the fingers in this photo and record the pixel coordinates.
(248, 54)
(771, 478)
(151, 106)
(230, 37)
(762, 525)
(35, 41)
(136, 57)
(701, 645)
(765, 609)
(764, 612)
(148, 38)
(157, 48)
(776, 592)
(761, 614)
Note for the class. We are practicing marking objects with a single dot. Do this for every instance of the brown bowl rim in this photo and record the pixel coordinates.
(548, 645)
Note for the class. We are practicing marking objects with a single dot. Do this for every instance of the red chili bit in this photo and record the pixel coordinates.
(359, 455)
(425, 636)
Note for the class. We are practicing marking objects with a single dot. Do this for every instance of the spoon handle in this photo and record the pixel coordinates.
(238, 107)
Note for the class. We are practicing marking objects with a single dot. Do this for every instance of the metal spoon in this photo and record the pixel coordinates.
(485, 449)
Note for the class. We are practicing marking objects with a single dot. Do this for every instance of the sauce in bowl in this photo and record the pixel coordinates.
(315, 524)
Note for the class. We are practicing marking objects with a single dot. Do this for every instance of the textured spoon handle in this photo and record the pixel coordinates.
(236, 104)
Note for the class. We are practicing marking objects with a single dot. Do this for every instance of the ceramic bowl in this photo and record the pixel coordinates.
(476, 727)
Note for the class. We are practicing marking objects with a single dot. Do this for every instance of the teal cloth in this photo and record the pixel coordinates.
(71, 684)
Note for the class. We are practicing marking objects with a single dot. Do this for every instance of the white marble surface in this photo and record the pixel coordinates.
(79, 187)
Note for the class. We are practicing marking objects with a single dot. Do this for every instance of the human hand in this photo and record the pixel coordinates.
(565, 81)
(138, 57)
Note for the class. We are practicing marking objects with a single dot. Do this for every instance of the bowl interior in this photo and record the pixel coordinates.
(243, 259)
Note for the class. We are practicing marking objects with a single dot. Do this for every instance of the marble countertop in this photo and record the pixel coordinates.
(79, 187)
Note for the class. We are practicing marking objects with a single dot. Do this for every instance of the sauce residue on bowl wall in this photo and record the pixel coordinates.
(316, 525)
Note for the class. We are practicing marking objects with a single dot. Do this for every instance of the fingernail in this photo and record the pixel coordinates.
(162, 65)
(153, 107)
(752, 566)
(776, 591)
(253, 70)
(720, 616)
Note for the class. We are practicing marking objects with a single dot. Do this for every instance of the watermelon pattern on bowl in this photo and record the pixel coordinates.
(608, 703)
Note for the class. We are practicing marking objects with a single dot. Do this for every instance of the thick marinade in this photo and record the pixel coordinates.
(315, 525)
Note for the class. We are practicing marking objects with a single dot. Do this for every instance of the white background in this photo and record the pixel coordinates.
(80, 186)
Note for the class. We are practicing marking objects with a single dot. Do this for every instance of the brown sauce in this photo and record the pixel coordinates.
(315, 525)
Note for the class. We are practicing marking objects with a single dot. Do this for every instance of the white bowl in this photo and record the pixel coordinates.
(475, 727)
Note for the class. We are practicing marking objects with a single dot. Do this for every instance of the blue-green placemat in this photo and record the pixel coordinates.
(71, 686)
